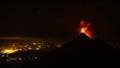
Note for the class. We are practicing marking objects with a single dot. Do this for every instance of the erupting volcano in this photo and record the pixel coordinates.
(85, 28)
(82, 49)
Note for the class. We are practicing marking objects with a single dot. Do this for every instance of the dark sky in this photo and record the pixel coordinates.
(59, 19)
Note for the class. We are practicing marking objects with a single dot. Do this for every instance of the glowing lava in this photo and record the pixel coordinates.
(85, 29)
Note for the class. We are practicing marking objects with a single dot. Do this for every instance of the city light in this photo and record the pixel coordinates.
(20, 51)
(8, 51)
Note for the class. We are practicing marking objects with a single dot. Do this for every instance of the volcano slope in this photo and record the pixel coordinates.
(83, 49)
(80, 51)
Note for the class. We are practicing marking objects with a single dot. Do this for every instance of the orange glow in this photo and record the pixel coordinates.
(8, 51)
(85, 29)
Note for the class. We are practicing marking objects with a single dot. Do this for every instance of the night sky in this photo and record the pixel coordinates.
(59, 19)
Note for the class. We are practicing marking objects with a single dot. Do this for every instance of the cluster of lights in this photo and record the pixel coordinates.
(14, 48)
(15, 59)
(7, 52)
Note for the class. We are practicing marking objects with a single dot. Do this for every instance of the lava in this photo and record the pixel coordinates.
(84, 28)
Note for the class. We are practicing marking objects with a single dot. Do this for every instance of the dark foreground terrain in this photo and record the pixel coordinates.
(82, 51)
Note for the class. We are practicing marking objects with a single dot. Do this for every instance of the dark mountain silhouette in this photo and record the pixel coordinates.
(82, 50)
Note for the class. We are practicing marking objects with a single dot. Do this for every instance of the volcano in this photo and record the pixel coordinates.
(82, 49)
